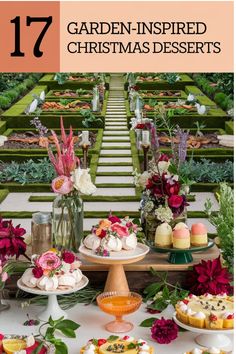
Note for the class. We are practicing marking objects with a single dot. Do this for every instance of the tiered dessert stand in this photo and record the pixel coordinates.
(52, 309)
(116, 279)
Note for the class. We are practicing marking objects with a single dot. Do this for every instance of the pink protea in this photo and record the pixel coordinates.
(62, 185)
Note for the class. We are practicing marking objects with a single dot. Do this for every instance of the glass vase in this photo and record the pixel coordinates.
(3, 306)
(67, 221)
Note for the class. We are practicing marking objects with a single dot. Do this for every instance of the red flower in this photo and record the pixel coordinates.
(140, 126)
(209, 277)
(164, 331)
(164, 157)
(103, 233)
(175, 201)
(68, 257)
(149, 184)
(37, 272)
(155, 178)
(11, 241)
(172, 188)
(113, 219)
(157, 192)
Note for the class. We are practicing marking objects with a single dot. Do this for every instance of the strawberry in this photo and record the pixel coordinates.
(125, 337)
(101, 342)
(212, 318)
(185, 301)
(230, 317)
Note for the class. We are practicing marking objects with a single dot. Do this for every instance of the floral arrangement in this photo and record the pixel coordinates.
(162, 195)
(112, 234)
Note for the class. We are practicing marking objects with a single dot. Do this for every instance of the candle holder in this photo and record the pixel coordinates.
(145, 148)
(85, 147)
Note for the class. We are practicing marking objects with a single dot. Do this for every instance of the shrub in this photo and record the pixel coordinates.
(5, 102)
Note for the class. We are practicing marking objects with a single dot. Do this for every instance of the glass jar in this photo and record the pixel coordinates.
(67, 221)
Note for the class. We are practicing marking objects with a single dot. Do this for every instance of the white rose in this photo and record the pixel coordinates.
(82, 181)
(163, 166)
(3, 138)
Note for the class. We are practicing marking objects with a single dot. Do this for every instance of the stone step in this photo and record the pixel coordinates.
(115, 138)
(115, 133)
(109, 128)
(114, 179)
(124, 124)
(114, 144)
(115, 152)
(114, 159)
(116, 120)
(115, 169)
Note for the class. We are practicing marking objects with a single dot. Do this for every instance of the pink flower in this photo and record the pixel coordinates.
(48, 261)
(68, 257)
(37, 272)
(121, 230)
(164, 331)
(62, 185)
(4, 277)
(175, 201)
(164, 157)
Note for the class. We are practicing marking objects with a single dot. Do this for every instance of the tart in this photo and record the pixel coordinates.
(115, 345)
(199, 235)
(207, 311)
(211, 350)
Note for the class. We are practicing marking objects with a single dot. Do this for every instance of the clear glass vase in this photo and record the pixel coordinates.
(67, 221)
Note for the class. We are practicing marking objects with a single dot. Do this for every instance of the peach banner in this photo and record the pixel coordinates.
(211, 51)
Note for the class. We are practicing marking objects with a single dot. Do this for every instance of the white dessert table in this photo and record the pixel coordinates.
(92, 321)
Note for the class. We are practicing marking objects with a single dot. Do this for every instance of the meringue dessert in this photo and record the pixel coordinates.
(207, 311)
(163, 236)
(199, 235)
(115, 344)
(211, 350)
(112, 235)
(53, 270)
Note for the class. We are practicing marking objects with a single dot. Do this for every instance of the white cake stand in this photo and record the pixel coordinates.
(52, 309)
(116, 279)
(208, 337)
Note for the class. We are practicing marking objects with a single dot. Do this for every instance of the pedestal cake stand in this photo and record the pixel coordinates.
(208, 337)
(180, 256)
(116, 279)
(52, 309)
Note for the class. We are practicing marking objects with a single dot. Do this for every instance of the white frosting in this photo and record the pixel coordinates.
(214, 350)
(112, 244)
(30, 341)
(183, 308)
(77, 274)
(145, 347)
(28, 278)
(200, 315)
(222, 296)
(66, 280)
(190, 312)
(142, 341)
(196, 351)
(226, 314)
(90, 348)
(129, 242)
(48, 283)
(180, 225)
(130, 339)
(208, 296)
(92, 241)
(142, 351)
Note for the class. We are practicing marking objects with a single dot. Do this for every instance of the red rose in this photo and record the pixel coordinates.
(155, 178)
(175, 201)
(103, 233)
(157, 191)
(68, 257)
(172, 188)
(149, 184)
(37, 272)
(164, 157)
(113, 219)
(140, 126)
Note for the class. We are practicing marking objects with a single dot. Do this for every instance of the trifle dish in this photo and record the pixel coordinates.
(53, 270)
(115, 344)
(208, 311)
(112, 235)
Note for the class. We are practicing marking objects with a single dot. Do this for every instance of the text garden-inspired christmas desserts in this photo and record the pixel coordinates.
(53, 270)
(112, 235)
(207, 311)
(115, 344)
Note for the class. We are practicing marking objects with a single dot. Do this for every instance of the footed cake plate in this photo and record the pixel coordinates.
(53, 309)
(208, 337)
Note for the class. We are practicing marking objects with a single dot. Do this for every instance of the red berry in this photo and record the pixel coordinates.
(230, 317)
(185, 301)
(213, 318)
(1, 336)
(125, 337)
(101, 342)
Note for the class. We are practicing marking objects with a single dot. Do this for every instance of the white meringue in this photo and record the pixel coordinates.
(65, 267)
(89, 349)
(190, 312)
(28, 278)
(199, 315)
(145, 347)
(129, 242)
(142, 341)
(92, 241)
(30, 341)
(196, 351)
(66, 280)
(226, 314)
(77, 274)
(48, 284)
(112, 243)
(183, 308)
(214, 350)
(129, 339)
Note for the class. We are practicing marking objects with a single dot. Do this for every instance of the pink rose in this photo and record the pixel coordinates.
(48, 261)
(113, 219)
(121, 230)
(62, 185)
(4, 277)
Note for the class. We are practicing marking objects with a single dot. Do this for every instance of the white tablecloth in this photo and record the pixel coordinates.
(92, 321)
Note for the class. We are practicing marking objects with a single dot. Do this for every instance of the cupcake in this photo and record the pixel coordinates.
(197, 320)
(181, 238)
(163, 236)
(199, 235)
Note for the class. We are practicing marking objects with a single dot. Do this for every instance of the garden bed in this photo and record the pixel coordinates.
(68, 93)
(75, 82)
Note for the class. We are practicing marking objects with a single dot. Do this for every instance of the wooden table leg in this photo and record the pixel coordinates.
(116, 279)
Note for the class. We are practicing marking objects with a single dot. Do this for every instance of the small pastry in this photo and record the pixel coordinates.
(197, 320)
(181, 238)
(228, 320)
(214, 322)
(77, 274)
(163, 236)
(48, 284)
(112, 243)
(92, 241)
(66, 281)
(199, 235)
(129, 242)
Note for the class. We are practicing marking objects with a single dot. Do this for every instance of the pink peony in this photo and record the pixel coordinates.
(164, 331)
(48, 261)
(37, 272)
(121, 230)
(68, 257)
(62, 185)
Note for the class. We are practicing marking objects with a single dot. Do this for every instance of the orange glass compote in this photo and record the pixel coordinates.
(119, 304)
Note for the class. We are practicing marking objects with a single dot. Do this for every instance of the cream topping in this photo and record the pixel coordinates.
(145, 347)
(30, 341)
(214, 350)
(196, 351)
(129, 339)
(183, 308)
(129, 242)
(200, 315)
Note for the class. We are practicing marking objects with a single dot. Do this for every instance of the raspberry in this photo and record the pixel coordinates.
(212, 318)
(185, 301)
(101, 342)
(125, 337)
(230, 317)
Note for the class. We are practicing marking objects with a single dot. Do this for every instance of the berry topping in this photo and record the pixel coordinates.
(125, 337)
(101, 342)
(212, 318)
(1, 336)
(185, 301)
(230, 317)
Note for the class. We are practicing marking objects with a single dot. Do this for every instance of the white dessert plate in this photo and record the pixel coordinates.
(140, 251)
